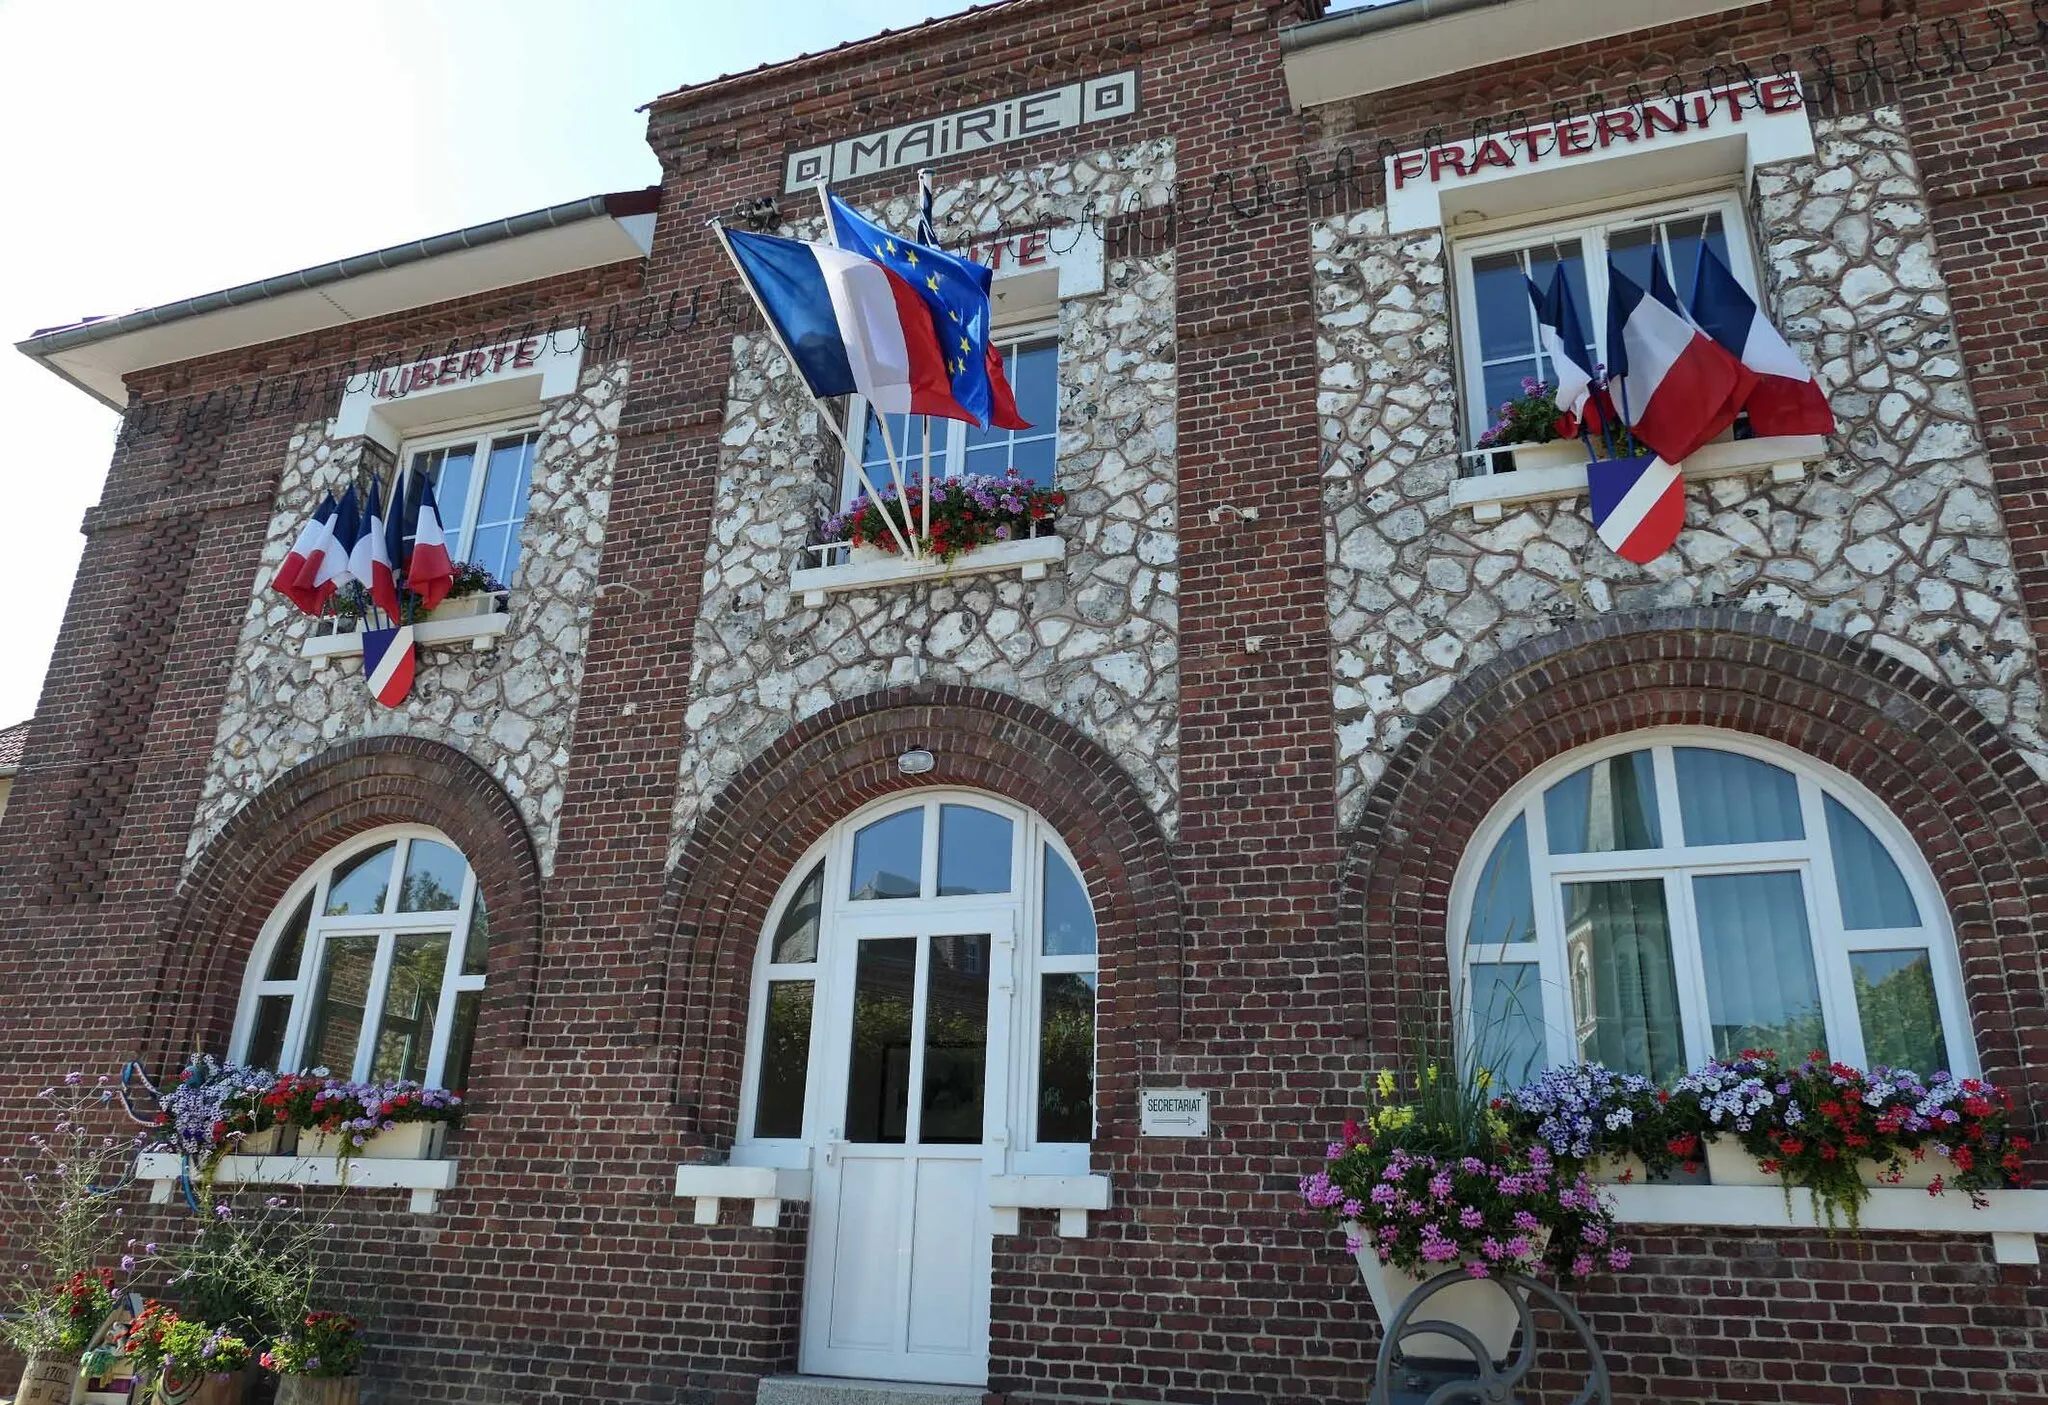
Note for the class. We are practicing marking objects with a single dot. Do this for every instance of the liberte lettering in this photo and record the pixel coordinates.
(454, 370)
(1579, 136)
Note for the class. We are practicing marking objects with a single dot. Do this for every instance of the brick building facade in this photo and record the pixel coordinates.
(1301, 667)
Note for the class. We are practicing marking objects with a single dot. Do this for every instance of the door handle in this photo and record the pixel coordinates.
(832, 1149)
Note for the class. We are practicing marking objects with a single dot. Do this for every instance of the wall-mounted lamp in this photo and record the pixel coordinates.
(916, 762)
(1231, 509)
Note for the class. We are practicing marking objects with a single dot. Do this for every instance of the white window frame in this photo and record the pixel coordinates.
(1592, 227)
(953, 462)
(1676, 865)
(479, 434)
(1029, 837)
(387, 926)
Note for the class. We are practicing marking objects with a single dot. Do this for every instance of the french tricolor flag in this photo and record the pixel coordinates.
(370, 561)
(314, 541)
(850, 324)
(388, 663)
(1671, 380)
(1787, 399)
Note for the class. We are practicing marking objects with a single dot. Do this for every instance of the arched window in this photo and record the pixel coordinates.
(372, 967)
(1676, 896)
(866, 995)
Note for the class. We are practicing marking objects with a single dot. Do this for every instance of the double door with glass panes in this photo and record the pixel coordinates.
(917, 1107)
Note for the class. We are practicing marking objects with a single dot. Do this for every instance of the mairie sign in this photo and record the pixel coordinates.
(973, 129)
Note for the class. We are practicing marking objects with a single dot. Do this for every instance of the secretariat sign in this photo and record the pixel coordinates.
(958, 133)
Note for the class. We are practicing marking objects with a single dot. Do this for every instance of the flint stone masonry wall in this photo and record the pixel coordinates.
(1896, 539)
(511, 710)
(1094, 643)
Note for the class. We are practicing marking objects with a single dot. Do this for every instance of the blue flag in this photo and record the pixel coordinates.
(955, 290)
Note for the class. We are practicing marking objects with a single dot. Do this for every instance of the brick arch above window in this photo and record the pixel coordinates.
(1975, 809)
(213, 921)
(831, 764)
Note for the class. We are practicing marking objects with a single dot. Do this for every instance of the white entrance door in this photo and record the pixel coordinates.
(915, 1122)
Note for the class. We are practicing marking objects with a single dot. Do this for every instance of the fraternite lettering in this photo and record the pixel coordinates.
(1581, 136)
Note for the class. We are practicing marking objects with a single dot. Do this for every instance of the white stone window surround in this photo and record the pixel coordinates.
(304, 986)
(1677, 862)
(425, 1179)
(1032, 1174)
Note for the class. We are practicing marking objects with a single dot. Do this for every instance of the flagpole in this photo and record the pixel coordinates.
(775, 333)
(927, 232)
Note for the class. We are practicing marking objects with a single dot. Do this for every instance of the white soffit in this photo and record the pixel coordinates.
(1398, 56)
(99, 366)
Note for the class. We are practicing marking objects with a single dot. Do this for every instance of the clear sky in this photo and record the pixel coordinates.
(154, 151)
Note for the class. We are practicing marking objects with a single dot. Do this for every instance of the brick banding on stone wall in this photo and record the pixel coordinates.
(1976, 810)
(211, 925)
(831, 764)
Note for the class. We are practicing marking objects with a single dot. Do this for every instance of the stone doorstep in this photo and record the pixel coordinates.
(838, 1390)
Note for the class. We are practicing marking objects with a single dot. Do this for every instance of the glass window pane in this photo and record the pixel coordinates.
(434, 874)
(1604, 808)
(1504, 383)
(878, 1064)
(1900, 1015)
(1507, 319)
(1066, 1058)
(506, 480)
(476, 943)
(989, 460)
(1069, 920)
(461, 1039)
(1543, 262)
(359, 884)
(266, 1035)
(1624, 985)
(1506, 1038)
(1034, 460)
(955, 1042)
(796, 936)
(974, 851)
(1724, 798)
(1632, 250)
(1762, 992)
(888, 857)
(339, 1003)
(449, 471)
(1034, 375)
(291, 945)
(785, 1060)
(1873, 891)
(1504, 908)
(489, 552)
(1682, 240)
(412, 1000)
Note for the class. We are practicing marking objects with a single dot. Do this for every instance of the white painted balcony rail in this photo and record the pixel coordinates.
(837, 569)
(425, 1179)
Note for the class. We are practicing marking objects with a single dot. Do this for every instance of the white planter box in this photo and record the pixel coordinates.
(425, 1179)
(271, 1141)
(1912, 1175)
(1477, 1305)
(1618, 1170)
(1784, 457)
(1030, 558)
(476, 621)
(408, 1141)
(1729, 1164)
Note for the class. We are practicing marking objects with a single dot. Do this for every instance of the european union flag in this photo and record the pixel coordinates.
(955, 289)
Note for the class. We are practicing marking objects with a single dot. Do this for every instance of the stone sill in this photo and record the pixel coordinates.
(766, 1186)
(1786, 456)
(1030, 558)
(2012, 1218)
(769, 1186)
(425, 1179)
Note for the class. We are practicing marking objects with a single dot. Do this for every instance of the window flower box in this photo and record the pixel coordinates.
(408, 1141)
(1488, 494)
(1030, 559)
(425, 1179)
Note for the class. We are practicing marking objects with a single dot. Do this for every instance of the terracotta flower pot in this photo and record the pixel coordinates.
(47, 1380)
(319, 1390)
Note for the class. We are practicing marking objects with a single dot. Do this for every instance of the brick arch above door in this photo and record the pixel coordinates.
(752, 836)
(213, 920)
(1975, 809)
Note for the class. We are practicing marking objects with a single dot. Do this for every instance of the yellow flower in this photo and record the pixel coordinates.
(1485, 1079)
(1386, 1083)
